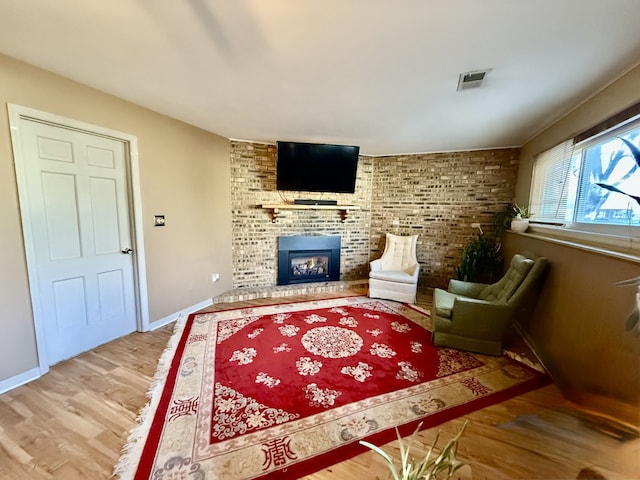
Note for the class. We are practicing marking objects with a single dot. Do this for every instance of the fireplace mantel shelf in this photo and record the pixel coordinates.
(275, 208)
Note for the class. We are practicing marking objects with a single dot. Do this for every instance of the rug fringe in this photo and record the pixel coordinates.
(132, 450)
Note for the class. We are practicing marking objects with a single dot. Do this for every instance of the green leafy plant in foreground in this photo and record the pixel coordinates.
(634, 317)
(635, 152)
(433, 466)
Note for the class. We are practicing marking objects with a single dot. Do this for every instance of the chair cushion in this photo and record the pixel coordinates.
(399, 252)
(503, 289)
(393, 276)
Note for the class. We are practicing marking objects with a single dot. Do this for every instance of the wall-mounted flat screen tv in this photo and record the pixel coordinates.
(315, 167)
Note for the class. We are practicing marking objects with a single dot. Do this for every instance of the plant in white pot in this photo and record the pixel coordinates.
(520, 222)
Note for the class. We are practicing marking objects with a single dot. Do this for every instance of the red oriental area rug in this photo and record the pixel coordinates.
(281, 391)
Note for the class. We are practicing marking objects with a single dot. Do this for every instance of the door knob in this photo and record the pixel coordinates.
(127, 251)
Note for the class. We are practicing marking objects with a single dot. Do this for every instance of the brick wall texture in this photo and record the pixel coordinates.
(255, 245)
(438, 196)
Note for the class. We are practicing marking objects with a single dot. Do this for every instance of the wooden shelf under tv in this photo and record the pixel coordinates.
(275, 209)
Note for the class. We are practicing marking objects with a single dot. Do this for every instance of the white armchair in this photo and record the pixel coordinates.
(394, 275)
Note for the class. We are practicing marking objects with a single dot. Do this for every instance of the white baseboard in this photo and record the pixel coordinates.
(174, 316)
(34, 373)
(18, 380)
(527, 339)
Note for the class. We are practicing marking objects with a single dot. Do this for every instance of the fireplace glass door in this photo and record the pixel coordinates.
(308, 266)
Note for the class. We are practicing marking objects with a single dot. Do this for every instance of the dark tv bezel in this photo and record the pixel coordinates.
(316, 167)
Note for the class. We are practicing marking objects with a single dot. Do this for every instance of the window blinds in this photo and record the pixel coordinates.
(555, 177)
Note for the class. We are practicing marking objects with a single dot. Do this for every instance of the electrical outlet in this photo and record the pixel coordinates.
(215, 277)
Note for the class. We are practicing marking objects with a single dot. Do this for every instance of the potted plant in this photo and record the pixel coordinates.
(502, 219)
(431, 467)
(511, 211)
(481, 260)
(520, 222)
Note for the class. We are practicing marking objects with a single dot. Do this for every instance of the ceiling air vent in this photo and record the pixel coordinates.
(472, 79)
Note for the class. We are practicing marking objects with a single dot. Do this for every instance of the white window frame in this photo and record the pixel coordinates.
(624, 239)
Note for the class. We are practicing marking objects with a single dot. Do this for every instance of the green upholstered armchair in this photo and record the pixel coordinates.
(474, 316)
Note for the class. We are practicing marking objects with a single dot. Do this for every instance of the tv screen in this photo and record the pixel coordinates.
(314, 167)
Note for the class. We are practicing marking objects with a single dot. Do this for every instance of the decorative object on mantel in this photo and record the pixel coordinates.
(520, 223)
(275, 209)
(283, 390)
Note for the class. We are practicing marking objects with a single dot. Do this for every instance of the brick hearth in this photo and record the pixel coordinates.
(278, 291)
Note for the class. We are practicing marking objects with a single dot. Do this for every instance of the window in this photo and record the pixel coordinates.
(554, 185)
(579, 185)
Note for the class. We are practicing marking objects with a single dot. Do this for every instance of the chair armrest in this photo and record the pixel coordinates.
(442, 303)
(375, 265)
(466, 289)
(414, 270)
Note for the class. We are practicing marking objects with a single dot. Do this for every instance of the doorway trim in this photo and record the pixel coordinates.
(18, 112)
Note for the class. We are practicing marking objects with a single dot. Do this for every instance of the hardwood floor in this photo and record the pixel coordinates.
(73, 422)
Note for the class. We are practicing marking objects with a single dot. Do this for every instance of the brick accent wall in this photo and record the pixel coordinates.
(255, 245)
(437, 195)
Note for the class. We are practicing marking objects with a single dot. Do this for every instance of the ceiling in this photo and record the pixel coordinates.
(380, 74)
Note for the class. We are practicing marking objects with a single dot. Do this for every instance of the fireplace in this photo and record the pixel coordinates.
(304, 259)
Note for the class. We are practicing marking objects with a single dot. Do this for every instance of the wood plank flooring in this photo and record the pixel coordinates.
(73, 422)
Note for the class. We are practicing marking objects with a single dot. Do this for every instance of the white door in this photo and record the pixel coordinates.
(78, 211)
